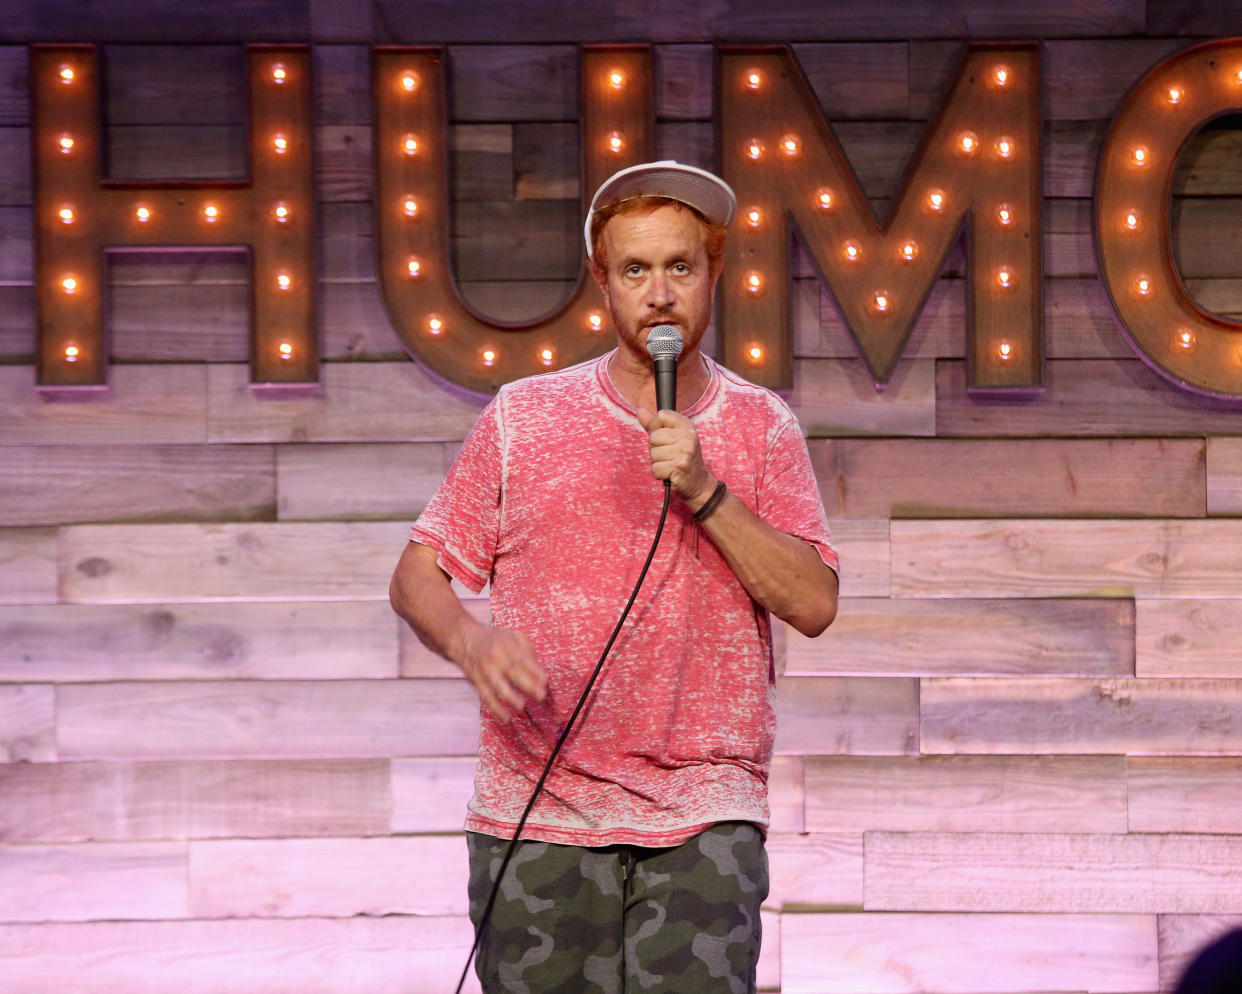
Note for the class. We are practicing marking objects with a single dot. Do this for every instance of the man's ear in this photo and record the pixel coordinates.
(600, 275)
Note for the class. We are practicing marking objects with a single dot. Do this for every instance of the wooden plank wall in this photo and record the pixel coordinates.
(1013, 765)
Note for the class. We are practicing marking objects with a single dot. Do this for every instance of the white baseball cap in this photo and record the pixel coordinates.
(705, 192)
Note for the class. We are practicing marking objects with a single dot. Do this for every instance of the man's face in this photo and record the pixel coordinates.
(658, 273)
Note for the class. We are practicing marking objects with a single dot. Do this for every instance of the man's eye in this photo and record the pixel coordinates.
(633, 271)
(681, 269)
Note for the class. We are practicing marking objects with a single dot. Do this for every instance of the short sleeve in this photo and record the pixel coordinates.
(789, 493)
(462, 521)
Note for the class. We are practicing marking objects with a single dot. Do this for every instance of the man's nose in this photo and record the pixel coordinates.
(659, 290)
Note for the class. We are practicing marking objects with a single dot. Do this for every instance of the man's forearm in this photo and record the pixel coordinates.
(422, 594)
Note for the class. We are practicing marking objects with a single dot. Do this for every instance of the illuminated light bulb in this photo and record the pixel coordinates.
(66, 144)
(935, 200)
(409, 82)
(284, 281)
(279, 73)
(435, 325)
(1005, 351)
(1004, 214)
(1175, 94)
(1001, 75)
(488, 356)
(281, 213)
(413, 267)
(595, 321)
(71, 353)
(66, 214)
(285, 349)
(1139, 155)
(547, 356)
(1237, 77)
(852, 251)
(1004, 278)
(754, 149)
(1004, 147)
(753, 79)
(909, 251)
(616, 142)
(754, 217)
(968, 142)
(409, 206)
(1142, 286)
(616, 79)
(410, 145)
(754, 283)
(1131, 221)
(281, 144)
(1185, 338)
(142, 214)
(825, 199)
(211, 213)
(66, 74)
(754, 353)
(882, 301)
(790, 145)
(69, 284)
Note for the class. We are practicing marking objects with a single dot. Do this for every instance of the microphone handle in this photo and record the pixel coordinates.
(666, 383)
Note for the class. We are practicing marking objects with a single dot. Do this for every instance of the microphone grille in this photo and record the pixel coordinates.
(664, 341)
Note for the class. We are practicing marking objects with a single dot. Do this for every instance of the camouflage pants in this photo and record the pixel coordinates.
(572, 920)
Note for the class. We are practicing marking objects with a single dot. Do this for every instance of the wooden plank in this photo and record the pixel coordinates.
(354, 325)
(517, 240)
(972, 872)
(343, 719)
(346, 240)
(965, 636)
(1210, 18)
(1206, 242)
(274, 956)
(1208, 164)
(786, 795)
(503, 300)
(544, 167)
(384, 480)
(16, 245)
(67, 643)
(74, 883)
(1071, 150)
(144, 404)
(359, 402)
(300, 878)
(17, 325)
(175, 84)
(949, 478)
(835, 397)
(260, 561)
(180, 323)
(204, 266)
(1182, 937)
(1036, 558)
(1186, 638)
(28, 566)
(815, 872)
(514, 82)
(27, 723)
(430, 795)
(1220, 296)
(1224, 476)
(847, 716)
(57, 484)
(1184, 795)
(177, 152)
(105, 802)
(1079, 322)
(15, 158)
(1087, 79)
(1138, 717)
(967, 953)
(482, 158)
(864, 550)
(857, 80)
(939, 331)
(251, 21)
(342, 81)
(14, 82)
(684, 82)
(343, 163)
(1089, 397)
(691, 142)
(966, 794)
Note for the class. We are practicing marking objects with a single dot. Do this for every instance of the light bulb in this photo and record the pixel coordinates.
(1004, 350)
(1174, 94)
(754, 218)
(935, 200)
(1139, 155)
(211, 213)
(71, 353)
(754, 353)
(285, 349)
(882, 301)
(754, 149)
(279, 73)
(1004, 214)
(1185, 338)
(281, 213)
(66, 215)
(852, 250)
(413, 267)
(410, 206)
(616, 142)
(1237, 77)
(790, 145)
(66, 144)
(1143, 286)
(616, 79)
(547, 356)
(909, 251)
(409, 82)
(410, 145)
(488, 356)
(66, 74)
(142, 214)
(1004, 147)
(281, 144)
(1004, 278)
(754, 283)
(967, 142)
(284, 281)
(595, 321)
(69, 284)
(754, 79)
(435, 325)
(825, 199)
(1001, 75)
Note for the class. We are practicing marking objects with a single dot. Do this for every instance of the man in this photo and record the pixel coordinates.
(643, 866)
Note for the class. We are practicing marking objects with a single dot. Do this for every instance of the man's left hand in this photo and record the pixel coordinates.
(676, 457)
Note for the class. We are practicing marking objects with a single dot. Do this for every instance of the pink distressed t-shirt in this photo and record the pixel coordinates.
(553, 501)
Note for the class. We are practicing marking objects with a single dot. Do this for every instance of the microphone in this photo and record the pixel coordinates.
(664, 345)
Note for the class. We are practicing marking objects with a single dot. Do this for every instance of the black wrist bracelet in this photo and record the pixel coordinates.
(712, 502)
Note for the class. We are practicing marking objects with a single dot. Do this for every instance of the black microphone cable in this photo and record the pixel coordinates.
(586, 692)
